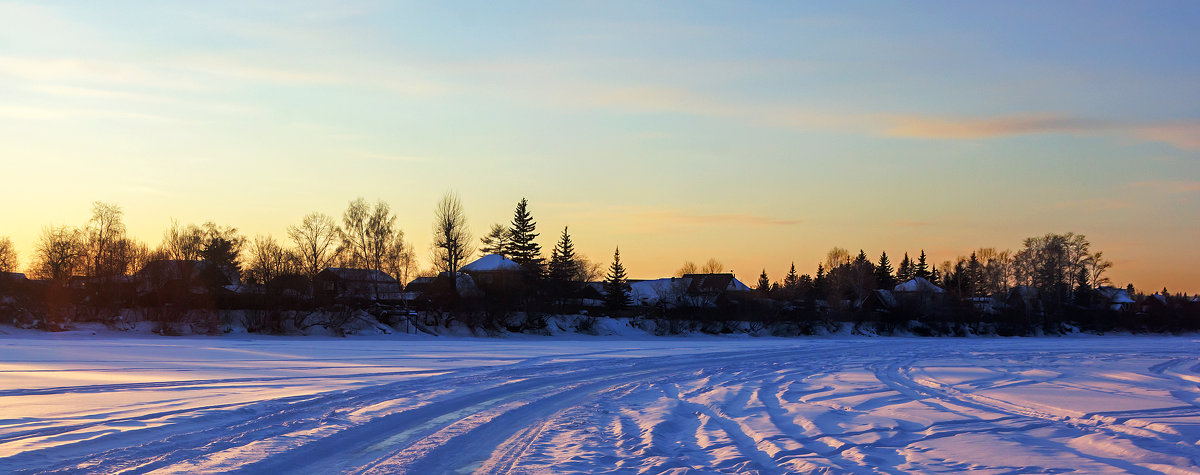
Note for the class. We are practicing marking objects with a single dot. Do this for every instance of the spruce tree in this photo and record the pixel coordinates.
(883, 273)
(521, 234)
(922, 268)
(905, 272)
(497, 241)
(764, 283)
(563, 264)
(974, 281)
(820, 283)
(791, 281)
(616, 284)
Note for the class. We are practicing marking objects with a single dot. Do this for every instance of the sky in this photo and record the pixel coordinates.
(757, 133)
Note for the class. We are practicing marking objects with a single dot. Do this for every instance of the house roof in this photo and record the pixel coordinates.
(885, 297)
(359, 275)
(171, 269)
(710, 283)
(492, 263)
(918, 284)
(1115, 295)
(653, 291)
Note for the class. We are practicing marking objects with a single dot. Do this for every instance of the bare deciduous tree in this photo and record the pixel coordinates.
(400, 261)
(105, 242)
(587, 270)
(268, 259)
(367, 234)
(836, 257)
(1097, 265)
(713, 266)
(688, 267)
(451, 238)
(8, 255)
(316, 240)
(182, 242)
(58, 254)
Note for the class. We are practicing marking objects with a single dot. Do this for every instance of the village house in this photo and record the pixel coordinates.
(338, 284)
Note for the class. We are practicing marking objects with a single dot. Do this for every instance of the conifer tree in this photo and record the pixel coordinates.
(616, 284)
(883, 273)
(922, 268)
(905, 272)
(764, 283)
(521, 235)
(791, 280)
(563, 264)
(974, 281)
(497, 241)
(820, 283)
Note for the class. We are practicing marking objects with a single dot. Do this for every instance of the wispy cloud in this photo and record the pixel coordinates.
(1095, 204)
(969, 128)
(717, 219)
(58, 113)
(912, 224)
(1183, 134)
(1168, 186)
(393, 158)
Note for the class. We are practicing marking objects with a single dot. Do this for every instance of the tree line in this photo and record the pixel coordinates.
(1061, 268)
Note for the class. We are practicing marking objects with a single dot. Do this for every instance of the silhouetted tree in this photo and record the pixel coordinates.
(791, 283)
(368, 235)
(835, 258)
(451, 238)
(616, 284)
(316, 240)
(863, 275)
(8, 255)
(563, 266)
(182, 242)
(974, 279)
(1097, 265)
(883, 273)
(222, 247)
(497, 241)
(400, 261)
(713, 266)
(524, 250)
(58, 254)
(905, 272)
(921, 269)
(820, 286)
(689, 267)
(764, 284)
(106, 246)
(267, 260)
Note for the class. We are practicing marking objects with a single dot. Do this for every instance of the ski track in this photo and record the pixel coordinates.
(878, 405)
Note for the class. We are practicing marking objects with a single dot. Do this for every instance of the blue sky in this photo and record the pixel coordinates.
(757, 133)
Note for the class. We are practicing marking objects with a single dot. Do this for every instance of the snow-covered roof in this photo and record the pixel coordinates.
(492, 263)
(701, 283)
(650, 292)
(886, 298)
(918, 284)
(1115, 295)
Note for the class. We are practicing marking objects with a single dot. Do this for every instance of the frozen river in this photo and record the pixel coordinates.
(71, 403)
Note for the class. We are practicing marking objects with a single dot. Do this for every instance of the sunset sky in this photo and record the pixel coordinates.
(757, 133)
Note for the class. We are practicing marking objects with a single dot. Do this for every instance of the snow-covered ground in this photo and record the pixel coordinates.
(398, 404)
